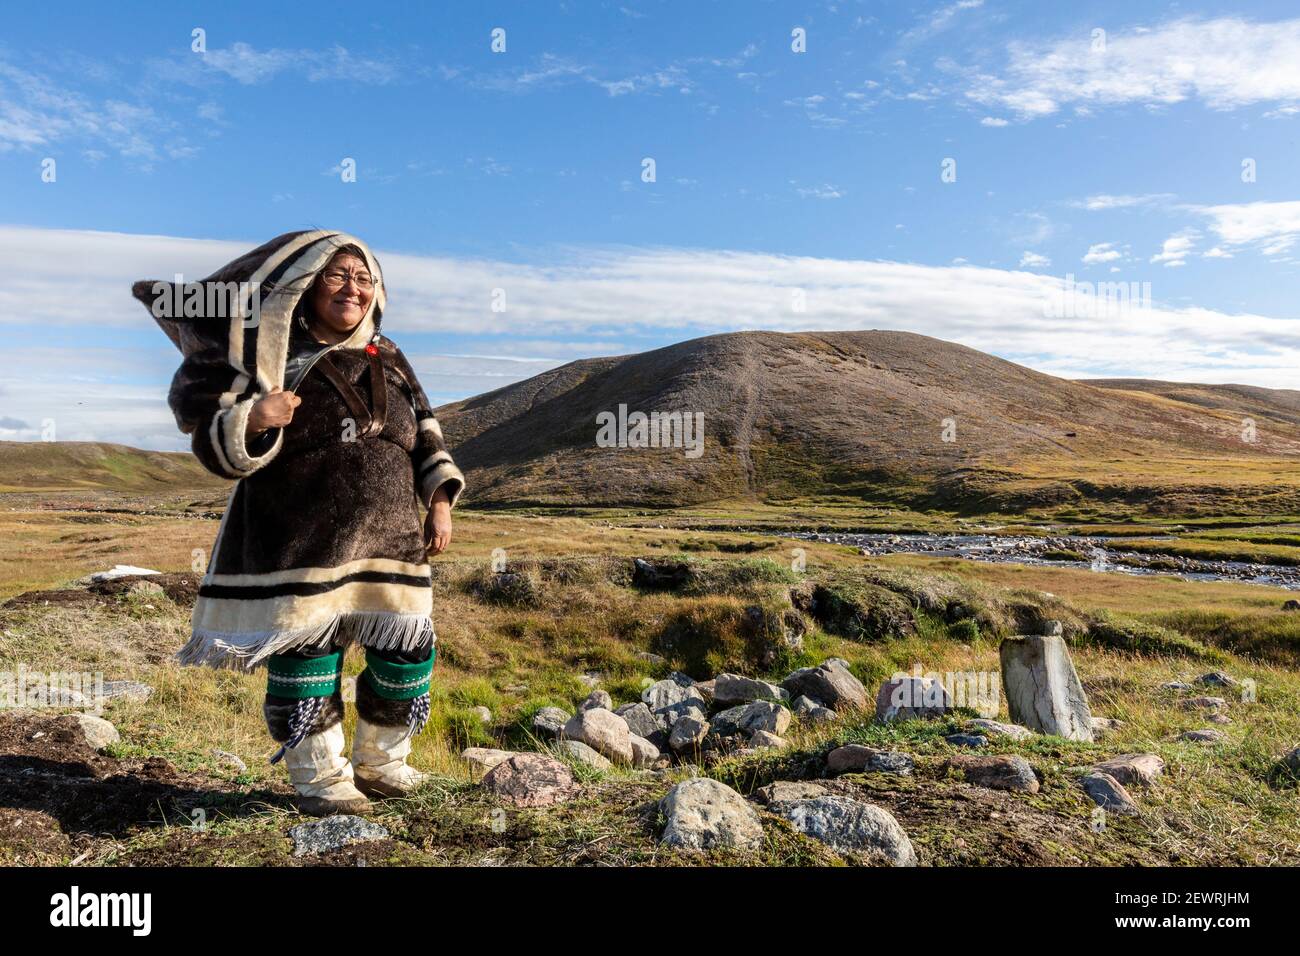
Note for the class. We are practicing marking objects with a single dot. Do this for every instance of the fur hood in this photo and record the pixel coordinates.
(245, 309)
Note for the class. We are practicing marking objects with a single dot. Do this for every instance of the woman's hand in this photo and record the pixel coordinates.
(272, 410)
(437, 524)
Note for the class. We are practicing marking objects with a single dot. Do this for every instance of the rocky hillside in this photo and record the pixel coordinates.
(881, 415)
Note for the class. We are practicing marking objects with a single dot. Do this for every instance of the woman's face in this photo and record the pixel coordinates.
(340, 306)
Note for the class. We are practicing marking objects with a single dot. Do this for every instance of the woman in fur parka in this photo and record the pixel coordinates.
(329, 436)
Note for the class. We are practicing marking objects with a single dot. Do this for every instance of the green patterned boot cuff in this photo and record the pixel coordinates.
(398, 681)
(297, 677)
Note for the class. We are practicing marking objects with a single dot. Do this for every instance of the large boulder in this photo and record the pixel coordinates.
(531, 780)
(730, 689)
(597, 699)
(744, 720)
(1043, 689)
(1133, 770)
(677, 689)
(1109, 794)
(993, 728)
(829, 684)
(1003, 772)
(99, 733)
(603, 731)
(849, 825)
(702, 814)
(908, 697)
(859, 758)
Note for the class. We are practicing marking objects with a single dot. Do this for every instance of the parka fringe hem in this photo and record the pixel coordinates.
(247, 650)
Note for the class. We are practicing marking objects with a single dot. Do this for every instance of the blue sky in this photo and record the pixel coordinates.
(1115, 157)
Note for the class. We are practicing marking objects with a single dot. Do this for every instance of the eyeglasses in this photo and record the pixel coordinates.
(335, 279)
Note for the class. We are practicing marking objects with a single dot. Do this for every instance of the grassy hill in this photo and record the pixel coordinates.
(99, 466)
(883, 417)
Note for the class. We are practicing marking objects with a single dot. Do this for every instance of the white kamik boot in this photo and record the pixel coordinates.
(322, 775)
(379, 755)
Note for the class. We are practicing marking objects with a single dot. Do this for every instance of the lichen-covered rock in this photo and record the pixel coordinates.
(531, 780)
(579, 752)
(745, 719)
(703, 814)
(731, 689)
(1043, 689)
(483, 759)
(849, 825)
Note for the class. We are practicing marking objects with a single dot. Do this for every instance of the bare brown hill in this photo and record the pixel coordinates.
(865, 414)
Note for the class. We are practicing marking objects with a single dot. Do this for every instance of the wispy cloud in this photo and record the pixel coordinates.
(589, 296)
(1225, 63)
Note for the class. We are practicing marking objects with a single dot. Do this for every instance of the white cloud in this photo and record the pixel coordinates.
(1104, 201)
(1034, 261)
(1226, 63)
(994, 121)
(1270, 227)
(824, 191)
(1173, 253)
(1101, 252)
(586, 297)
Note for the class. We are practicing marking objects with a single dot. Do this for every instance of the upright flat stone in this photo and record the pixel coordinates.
(1043, 690)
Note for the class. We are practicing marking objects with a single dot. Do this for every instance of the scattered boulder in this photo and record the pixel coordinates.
(644, 753)
(993, 728)
(742, 721)
(1101, 726)
(602, 730)
(702, 814)
(974, 741)
(688, 734)
(1051, 629)
(548, 723)
(597, 699)
(803, 705)
(581, 753)
(821, 715)
(765, 740)
(652, 659)
(482, 713)
(531, 780)
(99, 733)
(858, 758)
(483, 759)
(729, 689)
(1204, 703)
(1001, 772)
(851, 826)
(1175, 685)
(829, 683)
(787, 791)
(1133, 770)
(677, 689)
(1217, 679)
(640, 721)
(1109, 794)
(334, 833)
(1207, 736)
(908, 697)
(1043, 689)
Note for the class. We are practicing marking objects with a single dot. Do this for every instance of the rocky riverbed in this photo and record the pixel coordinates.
(1097, 552)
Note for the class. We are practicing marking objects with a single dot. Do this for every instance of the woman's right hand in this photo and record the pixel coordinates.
(272, 410)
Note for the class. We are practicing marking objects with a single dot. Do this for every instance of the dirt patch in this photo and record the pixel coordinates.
(48, 770)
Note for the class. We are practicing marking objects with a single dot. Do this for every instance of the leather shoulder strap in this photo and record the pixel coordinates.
(356, 405)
